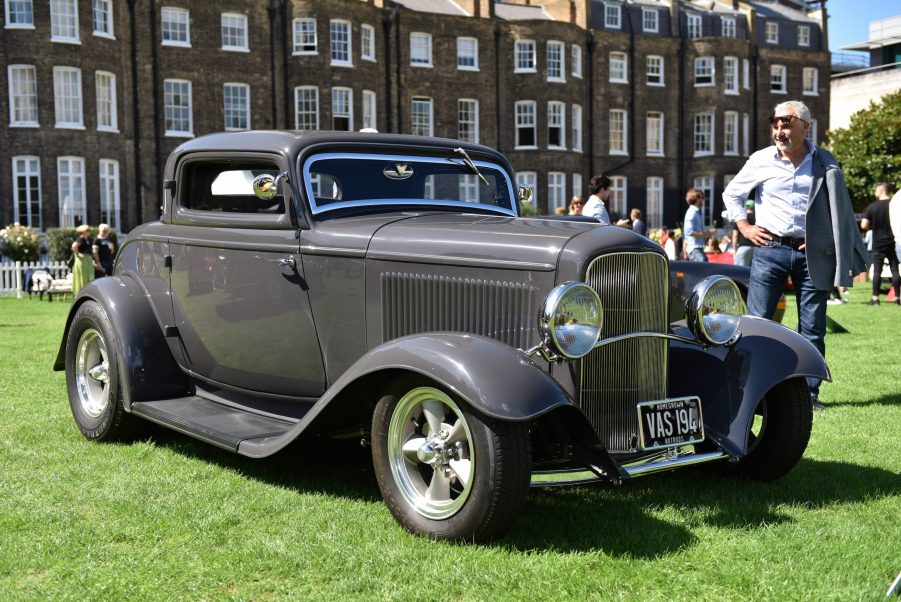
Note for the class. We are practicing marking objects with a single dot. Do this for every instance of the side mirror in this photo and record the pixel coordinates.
(525, 195)
(265, 186)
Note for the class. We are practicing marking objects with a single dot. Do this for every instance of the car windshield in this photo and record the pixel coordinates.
(342, 180)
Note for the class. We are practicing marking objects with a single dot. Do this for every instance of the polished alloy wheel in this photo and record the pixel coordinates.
(431, 453)
(92, 373)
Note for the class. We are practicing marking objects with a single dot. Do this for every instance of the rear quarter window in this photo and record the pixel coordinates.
(227, 187)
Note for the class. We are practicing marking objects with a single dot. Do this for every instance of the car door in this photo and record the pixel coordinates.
(238, 291)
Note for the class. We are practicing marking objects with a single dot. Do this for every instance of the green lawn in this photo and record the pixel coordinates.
(171, 518)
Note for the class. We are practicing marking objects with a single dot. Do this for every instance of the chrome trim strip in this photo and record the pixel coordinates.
(643, 469)
(656, 335)
(581, 477)
(457, 260)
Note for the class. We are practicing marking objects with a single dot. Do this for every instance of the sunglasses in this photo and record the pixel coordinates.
(784, 120)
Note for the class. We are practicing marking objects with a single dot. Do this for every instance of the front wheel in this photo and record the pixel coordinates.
(779, 433)
(445, 470)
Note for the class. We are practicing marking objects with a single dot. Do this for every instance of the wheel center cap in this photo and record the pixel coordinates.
(100, 372)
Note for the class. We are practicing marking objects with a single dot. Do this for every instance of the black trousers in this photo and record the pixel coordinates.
(879, 256)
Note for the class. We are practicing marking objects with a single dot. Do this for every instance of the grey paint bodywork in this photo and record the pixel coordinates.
(316, 336)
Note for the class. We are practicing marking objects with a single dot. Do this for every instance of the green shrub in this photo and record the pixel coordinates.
(19, 243)
(59, 241)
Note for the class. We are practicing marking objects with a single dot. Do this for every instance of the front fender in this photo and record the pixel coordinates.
(496, 379)
(147, 370)
(732, 380)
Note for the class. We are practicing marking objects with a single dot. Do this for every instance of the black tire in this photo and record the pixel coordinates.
(92, 378)
(469, 481)
(781, 430)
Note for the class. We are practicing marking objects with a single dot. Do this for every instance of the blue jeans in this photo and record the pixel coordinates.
(769, 269)
(697, 255)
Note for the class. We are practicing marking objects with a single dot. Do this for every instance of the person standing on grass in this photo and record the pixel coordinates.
(103, 250)
(599, 187)
(742, 247)
(637, 222)
(83, 268)
(695, 234)
(805, 225)
(876, 218)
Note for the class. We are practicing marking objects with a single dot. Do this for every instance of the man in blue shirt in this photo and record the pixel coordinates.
(694, 231)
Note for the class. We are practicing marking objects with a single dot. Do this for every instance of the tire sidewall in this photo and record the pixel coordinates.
(91, 315)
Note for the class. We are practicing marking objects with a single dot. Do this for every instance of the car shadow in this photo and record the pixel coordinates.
(644, 518)
(891, 399)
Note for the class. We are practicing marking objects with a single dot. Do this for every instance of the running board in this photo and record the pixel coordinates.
(219, 424)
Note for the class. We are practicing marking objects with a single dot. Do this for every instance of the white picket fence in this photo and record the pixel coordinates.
(12, 275)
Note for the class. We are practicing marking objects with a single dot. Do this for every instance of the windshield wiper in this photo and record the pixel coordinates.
(471, 165)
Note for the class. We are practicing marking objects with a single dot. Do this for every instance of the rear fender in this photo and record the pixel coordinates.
(147, 369)
(732, 380)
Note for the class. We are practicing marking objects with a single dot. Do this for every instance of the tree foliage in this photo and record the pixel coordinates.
(869, 150)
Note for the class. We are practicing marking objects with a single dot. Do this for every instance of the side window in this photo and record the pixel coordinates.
(227, 187)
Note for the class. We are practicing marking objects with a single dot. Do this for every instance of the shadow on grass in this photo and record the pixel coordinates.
(645, 518)
(891, 399)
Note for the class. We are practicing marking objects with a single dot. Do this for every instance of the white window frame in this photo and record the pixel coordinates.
(778, 83)
(804, 36)
(468, 188)
(577, 127)
(745, 74)
(340, 50)
(556, 119)
(172, 16)
(619, 67)
(110, 198)
(367, 42)
(654, 204)
(655, 70)
(468, 119)
(810, 81)
(704, 134)
(106, 100)
(64, 21)
(525, 53)
(309, 100)
(556, 190)
(705, 71)
(654, 134)
(226, 110)
(23, 95)
(370, 114)
(186, 85)
(695, 26)
(234, 25)
(342, 107)
(421, 49)
(618, 134)
(104, 9)
(728, 28)
(68, 108)
(467, 51)
(613, 16)
(706, 185)
(70, 179)
(746, 134)
(811, 134)
(577, 183)
(575, 60)
(730, 133)
(730, 75)
(304, 37)
(525, 115)
(772, 32)
(556, 61)
(530, 180)
(29, 196)
(10, 21)
(650, 20)
(619, 194)
(424, 127)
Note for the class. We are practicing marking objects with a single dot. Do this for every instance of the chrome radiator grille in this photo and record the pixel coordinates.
(414, 303)
(633, 288)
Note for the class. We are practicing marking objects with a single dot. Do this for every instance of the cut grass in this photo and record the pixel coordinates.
(172, 518)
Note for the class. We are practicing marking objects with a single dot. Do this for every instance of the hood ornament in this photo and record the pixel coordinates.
(398, 171)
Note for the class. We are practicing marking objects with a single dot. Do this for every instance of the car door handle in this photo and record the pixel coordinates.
(286, 262)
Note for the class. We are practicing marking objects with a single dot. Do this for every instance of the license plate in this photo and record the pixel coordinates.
(670, 422)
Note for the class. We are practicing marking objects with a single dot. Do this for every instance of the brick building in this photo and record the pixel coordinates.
(661, 95)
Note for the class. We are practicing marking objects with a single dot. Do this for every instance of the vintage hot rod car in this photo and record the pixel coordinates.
(384, 287)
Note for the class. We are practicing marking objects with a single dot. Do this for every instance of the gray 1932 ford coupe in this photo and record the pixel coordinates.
(385, 287)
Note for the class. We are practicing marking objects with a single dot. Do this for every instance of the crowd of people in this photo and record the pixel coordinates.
(92, 258)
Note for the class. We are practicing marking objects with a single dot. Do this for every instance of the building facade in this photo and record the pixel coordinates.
(660, 95)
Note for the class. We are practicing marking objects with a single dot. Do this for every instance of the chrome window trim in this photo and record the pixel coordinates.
(316, 210)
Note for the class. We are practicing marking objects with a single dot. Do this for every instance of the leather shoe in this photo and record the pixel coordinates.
(874, 301)
(817, 404)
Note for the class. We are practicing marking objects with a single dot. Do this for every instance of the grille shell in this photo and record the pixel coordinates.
(633, 288)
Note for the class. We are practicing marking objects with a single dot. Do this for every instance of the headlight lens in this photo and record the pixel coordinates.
(714, 310)
(571, 319)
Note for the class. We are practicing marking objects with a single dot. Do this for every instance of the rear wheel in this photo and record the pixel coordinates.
(445, 470)
(92, 377)
(779, 433)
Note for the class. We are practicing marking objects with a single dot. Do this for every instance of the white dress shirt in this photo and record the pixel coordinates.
(783, 191)
(595, 208)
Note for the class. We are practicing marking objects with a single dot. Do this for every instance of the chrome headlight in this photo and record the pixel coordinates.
(571, 319)
(713, 310)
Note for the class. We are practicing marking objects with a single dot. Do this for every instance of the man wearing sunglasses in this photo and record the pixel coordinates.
(804, 226)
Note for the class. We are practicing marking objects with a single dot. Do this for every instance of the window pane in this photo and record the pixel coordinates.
(176, 27)
(306, 107)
